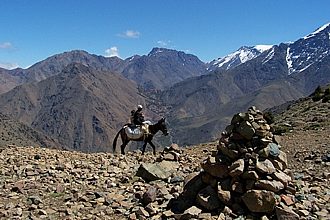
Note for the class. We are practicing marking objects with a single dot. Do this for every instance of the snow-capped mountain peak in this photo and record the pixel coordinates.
(308, 50)
(317, 31)
(263, 48)
(240, 56)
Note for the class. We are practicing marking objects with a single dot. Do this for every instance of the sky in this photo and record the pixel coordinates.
(32, 30)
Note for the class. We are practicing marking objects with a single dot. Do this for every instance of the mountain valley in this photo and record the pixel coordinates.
(197, 98)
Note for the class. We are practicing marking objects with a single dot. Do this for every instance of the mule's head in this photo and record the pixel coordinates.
(162, 126)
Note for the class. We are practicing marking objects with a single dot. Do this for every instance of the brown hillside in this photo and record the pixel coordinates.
(81, 107)
(7, 81)
(305, 125)
(17, 134)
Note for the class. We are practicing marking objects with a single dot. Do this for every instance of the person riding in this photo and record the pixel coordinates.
(138, 117)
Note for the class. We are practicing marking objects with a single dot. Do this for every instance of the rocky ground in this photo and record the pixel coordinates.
(40, 183)
(307, 143)
(52, 184)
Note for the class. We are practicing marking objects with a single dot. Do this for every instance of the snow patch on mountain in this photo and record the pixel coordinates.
(317, 31)
(305, 68)
(289, 61)
(155, 52)
(308, 50)
(300, 55)
(263, 48)
(240, 56)
(269, 56)
(132, 58)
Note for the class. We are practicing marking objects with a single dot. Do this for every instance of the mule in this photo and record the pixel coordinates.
(146, 137)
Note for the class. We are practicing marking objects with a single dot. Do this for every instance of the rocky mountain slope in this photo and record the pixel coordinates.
(82, 108)
(44, 183)
(162, 68)
(15, 133)
(54, 65)
(305, 123)
(282, 73)
(159, 69)
(7, 81)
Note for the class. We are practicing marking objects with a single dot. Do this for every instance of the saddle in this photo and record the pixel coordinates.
(136, 131)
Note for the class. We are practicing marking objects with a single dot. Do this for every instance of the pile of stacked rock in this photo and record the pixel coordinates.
(171, 153)
(247, 175)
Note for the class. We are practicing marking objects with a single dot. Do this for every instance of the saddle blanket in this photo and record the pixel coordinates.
(136, 132)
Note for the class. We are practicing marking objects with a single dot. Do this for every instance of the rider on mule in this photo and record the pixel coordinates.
(138, 116)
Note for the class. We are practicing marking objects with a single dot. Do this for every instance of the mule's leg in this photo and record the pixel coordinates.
(123, 147)
(144, 147)
(153, 147)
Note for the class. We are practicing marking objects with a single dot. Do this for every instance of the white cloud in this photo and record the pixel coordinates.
(166, 43)
(162, 43)
(112, 52)
(6, 45)
(130, 34)
(8, 66)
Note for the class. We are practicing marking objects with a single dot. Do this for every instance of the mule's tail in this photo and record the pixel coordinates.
(115, 141)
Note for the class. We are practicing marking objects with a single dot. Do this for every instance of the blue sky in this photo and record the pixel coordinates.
(32, 30)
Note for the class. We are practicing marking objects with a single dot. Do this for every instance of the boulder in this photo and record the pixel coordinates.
(230, 153)
(272, 150)
(265, 167)
(191, 213)
(215, 169)
(271, 185)
(246, 130)
(286, 213)
(150, 172)
(259, 200)
(283, 177)
(150, 195)
(224, 195)
(251, 175)
(283, 159)
(192, 185)
(208, 199)
(237, 168)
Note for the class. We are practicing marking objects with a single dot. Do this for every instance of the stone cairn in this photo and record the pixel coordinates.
(246, 176)
(171, 153)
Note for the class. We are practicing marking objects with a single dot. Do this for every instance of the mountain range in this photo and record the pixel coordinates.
(81, 100)
(160, 69)
(279, 74)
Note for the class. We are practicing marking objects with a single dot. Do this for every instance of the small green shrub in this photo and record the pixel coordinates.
(317, 97)
(312, 127)
(269, 117)
(326, 98)
(317, 94)
(280, 129)
(318, 90)
(55, 194)
(304, 110)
